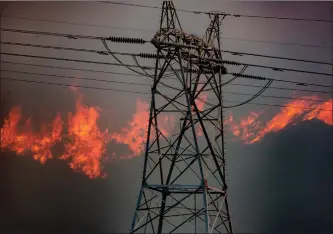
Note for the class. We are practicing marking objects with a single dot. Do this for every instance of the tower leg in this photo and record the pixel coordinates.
(184, 187)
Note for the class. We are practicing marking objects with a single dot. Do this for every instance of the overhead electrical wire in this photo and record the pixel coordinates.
(276, 57)
(128, 67)
(74, 69)
(137, 92)
(145, 55)
(223, 13)
(68, 60)
(283, 88)
(77, 36)
(70, 85)
(277, 105)
(278, 43)
(235, 63)
(143, 68)
(234, 78)
(70, 36)
(75, 77)
(253, 97)
(141, 84)
(79, 69)
(274, 96)
(101, 52)
(154, 31)
(151, 68)
(135, 75)
(119, 61)
(73, 23)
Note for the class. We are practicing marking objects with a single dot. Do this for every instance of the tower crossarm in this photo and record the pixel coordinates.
(192, 48)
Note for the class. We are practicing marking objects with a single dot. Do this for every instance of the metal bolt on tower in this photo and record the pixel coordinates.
(183, 185)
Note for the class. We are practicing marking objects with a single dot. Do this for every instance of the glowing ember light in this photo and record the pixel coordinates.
(20, 142)
(246, 128)
(200, 103)
(319, 112)
(250, 129)
(87, 146)
(9, 130)
(41, 147)
(135, 134)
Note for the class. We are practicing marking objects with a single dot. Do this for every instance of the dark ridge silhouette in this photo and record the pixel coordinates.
(52, 198)
(282, 184)
(301, 175)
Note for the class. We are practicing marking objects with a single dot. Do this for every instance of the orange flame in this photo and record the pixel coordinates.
(21, 141)
(87, 145)
(250, 129)
(200, 103)
(135, 135)
(246, 128)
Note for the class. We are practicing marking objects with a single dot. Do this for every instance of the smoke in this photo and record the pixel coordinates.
(282, 183)
(37, 197)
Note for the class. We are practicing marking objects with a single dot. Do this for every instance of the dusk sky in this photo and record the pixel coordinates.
(53, 197)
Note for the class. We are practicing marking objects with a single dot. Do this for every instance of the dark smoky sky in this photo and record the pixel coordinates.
(280, 184)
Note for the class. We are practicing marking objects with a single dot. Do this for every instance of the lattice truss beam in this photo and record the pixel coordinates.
(183, 186)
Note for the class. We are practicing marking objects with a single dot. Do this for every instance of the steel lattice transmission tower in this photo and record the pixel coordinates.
(183, 185)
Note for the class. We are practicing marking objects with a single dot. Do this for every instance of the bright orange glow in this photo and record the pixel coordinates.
(22, 140)
(201, 105)
(135, 134)
(246, 128)
(87, 145)
(318, 112)
(251, 130)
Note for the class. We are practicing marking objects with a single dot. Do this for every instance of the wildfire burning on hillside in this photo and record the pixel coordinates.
(22, 140)
(136, 133)
(251, 129)
(85, 143)
(86, 147)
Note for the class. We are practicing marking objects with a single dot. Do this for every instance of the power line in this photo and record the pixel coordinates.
(152, 56)
(76, 86)
(130, 54)
(154, 31)
(247, 64)
(74, 69)
(282, 88)
(273, 96)
(277, 105)
(74, 77)
(150, 68)
(101, 52)
(276, 57)
(141, 84)
(135, 75)
(223, 13)
(127, 91)
(69, 60)
(73, 23)
(279, 43)
(66, 35)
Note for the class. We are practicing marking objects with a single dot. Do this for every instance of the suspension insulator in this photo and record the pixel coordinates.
(229, 62)
(148, 56)
(127, 40)
(249, 76)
